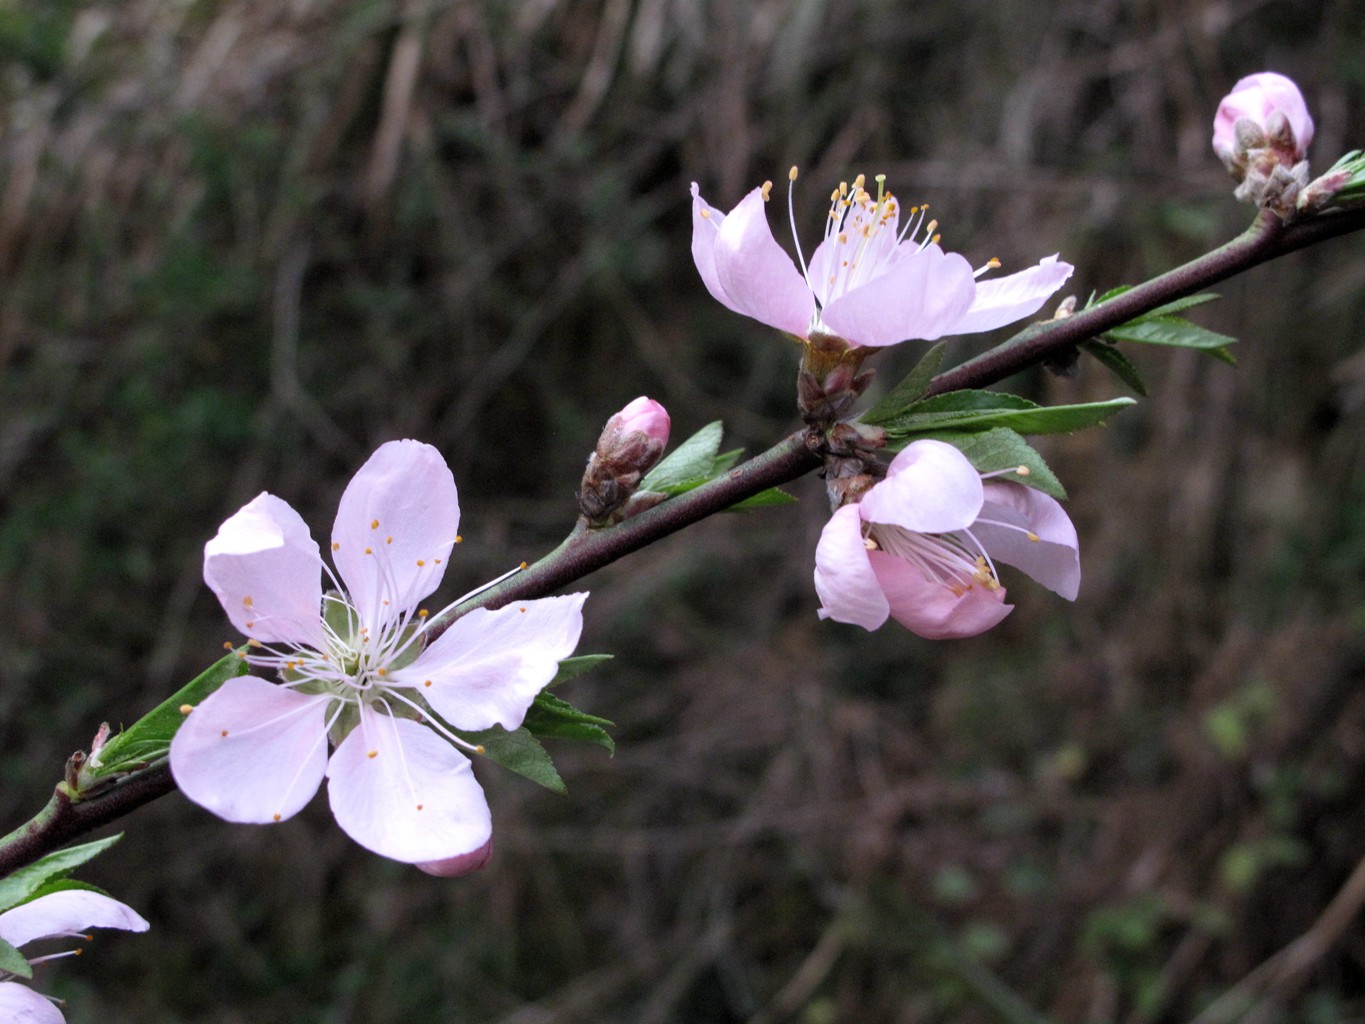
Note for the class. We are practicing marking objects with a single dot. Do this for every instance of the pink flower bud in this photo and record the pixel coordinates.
(631, 443)
(645, 416)
(1264, 111)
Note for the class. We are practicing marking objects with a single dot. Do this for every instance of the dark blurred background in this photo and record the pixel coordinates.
(245, 241)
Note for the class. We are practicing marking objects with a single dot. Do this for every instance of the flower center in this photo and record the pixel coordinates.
(956, 560)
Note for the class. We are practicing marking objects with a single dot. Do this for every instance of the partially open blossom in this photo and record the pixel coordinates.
(629, 446)
(874, 280)
(1264, 112)
(67, 913)
(921, 547)
(354, 665)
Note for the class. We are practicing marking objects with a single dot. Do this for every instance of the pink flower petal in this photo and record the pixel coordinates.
(1257, 97)
(65, 912)
(20, 1005)
(252, 751)
(487, 668)
(1054, 559)
(930, 487)
(932, 610)
(848, 588)
(394, 529)
(756, 275)
(706, 222)
(848, 259)
(267, 573)
(922, 296)
(1003, 300)
(401, 791)
(454, 867)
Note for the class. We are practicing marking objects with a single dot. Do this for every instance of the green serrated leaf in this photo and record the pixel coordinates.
(1188, 302)
(995, 449)
(771, 498)
(13, 962)
(1112, 293)
(980, 410)
(572, 668)
(910, 390)
(149, 738)
(21, 885)
(1117, 363)
(1176, 331)
(551, 717)
(690, 461)
(520, 752)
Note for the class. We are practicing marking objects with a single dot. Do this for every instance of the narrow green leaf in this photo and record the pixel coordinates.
(910, 390)
(149, 738)
(13, 962)
(771, 498)
(979, 410)
(1188, 302)
(1112, 293)
(999, 448)
(572, 668)
(690, 461)
(1118, 363)
(24, 883)
(520, 752)
(551, 717)
(1170, 330)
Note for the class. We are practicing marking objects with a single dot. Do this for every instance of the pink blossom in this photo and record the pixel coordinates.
(921, 547)
(870, 281)
(355, 667)
(66, 913)
(1273, 105)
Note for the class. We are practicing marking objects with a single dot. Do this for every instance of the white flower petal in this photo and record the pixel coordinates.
(930, 487)
(267, 573)
(65, 912)
(1003, 300)
(848, 588)
(922, 295)
(1054, 558)
(757, 276)
(394, 529)
(400, 790)
(487, 668)
(252, 751)
(20, 1005)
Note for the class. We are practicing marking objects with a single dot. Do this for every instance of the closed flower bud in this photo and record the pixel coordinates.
(631, 443)
(1262, 123)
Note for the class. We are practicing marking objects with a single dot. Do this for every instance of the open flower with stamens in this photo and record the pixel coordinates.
(67, 913)
(354, 665)
(921, 547)
(873, 280)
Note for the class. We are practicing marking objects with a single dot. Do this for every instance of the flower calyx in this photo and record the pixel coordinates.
(633, 440)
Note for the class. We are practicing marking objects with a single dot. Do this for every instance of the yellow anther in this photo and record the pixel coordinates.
(421, 562)
(791, 175)
(369, 551)
(459, 539)
(419, 807)
(336, 546)
(479, 749)
(435, 561)
(936, 239)
(421, 613)
(381, 672)
(843, 188)
(253, 643)
(276, 817)
(426, 682)
(1032, 536)
(705, 214)
(993, 263)
(227, 645)
(224, 733)
(858, 182)
(834, 196)
(522, 566)
(1022, 471)
(372, 754)
(388, 540)
(246, 601)
(767, 190)
(931, 227)
(374, 524)
(185, 709)
(870, 544)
